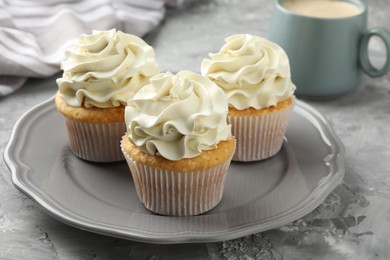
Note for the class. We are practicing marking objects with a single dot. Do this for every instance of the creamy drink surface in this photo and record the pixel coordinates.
(322, 8)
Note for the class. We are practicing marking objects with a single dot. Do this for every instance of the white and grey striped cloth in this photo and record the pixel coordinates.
(35, 33)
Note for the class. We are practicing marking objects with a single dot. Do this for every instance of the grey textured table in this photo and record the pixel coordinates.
(352, 223)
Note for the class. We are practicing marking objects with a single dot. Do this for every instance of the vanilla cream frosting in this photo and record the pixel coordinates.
(177, 116)
(252, 71)
(105, 69)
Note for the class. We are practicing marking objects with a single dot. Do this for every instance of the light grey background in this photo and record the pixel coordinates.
(352, 223)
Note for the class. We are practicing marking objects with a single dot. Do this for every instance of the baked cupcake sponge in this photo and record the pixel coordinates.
(186, 187)
(260, 133)
(94, 134)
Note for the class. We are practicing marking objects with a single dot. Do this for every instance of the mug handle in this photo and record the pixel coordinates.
(364, 60)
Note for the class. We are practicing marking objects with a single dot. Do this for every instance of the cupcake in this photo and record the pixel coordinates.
(178, 144)
(255, 75)
(101, 72)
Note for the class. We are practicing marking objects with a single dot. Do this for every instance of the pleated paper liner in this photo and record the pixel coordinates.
(175, 193)
(259, 137)
(96, 142)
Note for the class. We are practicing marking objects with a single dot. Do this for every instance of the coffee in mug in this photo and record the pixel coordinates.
(322, 8)
(327, 47)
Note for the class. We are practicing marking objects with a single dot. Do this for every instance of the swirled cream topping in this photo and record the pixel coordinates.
(252, 71)
(177, 116)
(105, 69)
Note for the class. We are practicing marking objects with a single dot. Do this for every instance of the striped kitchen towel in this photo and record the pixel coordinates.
(35, 33)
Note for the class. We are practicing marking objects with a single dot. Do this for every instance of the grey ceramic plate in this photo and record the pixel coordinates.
(101, 197)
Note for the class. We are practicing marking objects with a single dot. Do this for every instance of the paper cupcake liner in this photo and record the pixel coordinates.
(259, 137)
(96, 142)
(173, 193)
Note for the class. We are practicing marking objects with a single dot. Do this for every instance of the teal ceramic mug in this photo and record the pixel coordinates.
(327, 55)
